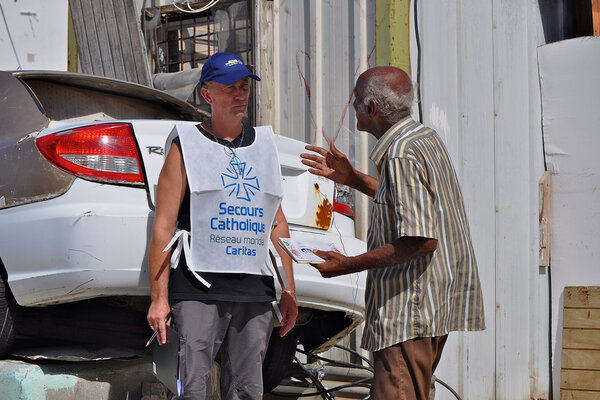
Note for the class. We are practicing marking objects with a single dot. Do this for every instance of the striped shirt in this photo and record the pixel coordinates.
(418, 195)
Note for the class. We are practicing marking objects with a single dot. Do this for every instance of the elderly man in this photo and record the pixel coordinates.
(222, 289)
(422, 280)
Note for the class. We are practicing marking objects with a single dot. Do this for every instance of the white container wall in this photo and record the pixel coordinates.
(480, 90)
(570, 85)
(33, 35)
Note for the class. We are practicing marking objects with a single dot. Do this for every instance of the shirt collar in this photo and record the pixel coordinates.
(388, 138)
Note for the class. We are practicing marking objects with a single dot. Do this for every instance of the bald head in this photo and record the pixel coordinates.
(390, 88)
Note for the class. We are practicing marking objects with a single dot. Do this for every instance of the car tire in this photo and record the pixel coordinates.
(7, 319)
(279, 358)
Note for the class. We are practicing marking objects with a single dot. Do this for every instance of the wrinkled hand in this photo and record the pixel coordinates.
(157, 313)
(336, 264)
(289, 312)
(332, 164)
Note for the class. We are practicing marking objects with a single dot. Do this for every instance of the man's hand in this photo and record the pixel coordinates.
(332, 164)
(335, 264)
(289, 311)
(157, 313)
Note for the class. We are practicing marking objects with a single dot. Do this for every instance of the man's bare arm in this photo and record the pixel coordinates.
(169, 196)
(287, 304)
(399, 251)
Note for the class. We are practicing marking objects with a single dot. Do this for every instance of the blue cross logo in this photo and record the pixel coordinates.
(239, 181)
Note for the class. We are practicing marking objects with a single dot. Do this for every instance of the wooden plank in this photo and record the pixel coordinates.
(586, 318)
(92, 38)
(581, 359)
(544, 220)
(580, 380)
(72, 45)
(114, 40)
(582, 297)
(578, 395)
(139, 57)
(126, 45)
(104, 48)
(581, 339)
(596, 16)
(84, 61)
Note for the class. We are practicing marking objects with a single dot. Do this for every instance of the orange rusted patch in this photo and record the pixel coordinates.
(324, 210)
(324, 213)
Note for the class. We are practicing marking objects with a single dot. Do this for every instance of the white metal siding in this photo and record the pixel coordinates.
(479, 90)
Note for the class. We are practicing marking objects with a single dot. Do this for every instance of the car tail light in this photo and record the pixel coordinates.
(344, 200)
(102, 152)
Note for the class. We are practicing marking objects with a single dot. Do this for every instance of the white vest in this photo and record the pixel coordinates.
(232, 201)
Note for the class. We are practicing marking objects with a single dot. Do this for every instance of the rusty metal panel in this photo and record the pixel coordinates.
(393, 33)
(25, 175)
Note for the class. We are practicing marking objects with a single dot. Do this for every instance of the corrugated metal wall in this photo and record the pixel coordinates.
(311, 53)
(479, 88)
(480, 91)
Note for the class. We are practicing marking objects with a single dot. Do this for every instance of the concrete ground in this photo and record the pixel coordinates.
(62, 380)
(132, 379)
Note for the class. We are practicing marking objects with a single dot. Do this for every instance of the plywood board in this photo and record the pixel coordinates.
(578, 395)
(580, 373)
(580, 380)
(581, 359)
(582, 296)
(581, 339)
(582, 318)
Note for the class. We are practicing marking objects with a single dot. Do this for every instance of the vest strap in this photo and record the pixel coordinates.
(182, 237)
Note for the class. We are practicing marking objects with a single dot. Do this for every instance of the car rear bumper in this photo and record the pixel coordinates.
(93, 241)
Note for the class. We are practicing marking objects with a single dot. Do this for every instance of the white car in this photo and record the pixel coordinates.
(80, 157)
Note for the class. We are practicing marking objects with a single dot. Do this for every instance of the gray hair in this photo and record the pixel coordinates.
(391, 104)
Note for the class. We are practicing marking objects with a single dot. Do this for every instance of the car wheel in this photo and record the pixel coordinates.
(7, 319)
(279, 358)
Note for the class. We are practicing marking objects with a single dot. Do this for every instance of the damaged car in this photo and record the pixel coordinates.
(80, 157)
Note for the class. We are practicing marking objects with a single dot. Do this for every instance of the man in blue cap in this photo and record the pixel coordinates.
(218, 202)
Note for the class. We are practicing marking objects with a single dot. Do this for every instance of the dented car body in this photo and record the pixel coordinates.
(68, 236)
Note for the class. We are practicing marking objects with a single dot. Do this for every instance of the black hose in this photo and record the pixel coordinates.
(365, 359)
(418, 41)
(334, 362)
(326, 394)
(444, 384)
(550, 355)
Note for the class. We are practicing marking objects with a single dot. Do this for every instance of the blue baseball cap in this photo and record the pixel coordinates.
(225, 68)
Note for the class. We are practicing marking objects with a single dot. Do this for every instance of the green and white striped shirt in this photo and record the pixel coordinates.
(418, 195)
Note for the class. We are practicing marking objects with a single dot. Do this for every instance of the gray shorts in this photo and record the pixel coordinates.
(240, 331)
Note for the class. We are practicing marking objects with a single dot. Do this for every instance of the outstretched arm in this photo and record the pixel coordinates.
(287, 303)
(397, 252)
(334, 164)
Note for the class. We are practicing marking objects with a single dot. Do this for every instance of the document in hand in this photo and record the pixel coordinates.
(165, 362)
(301, 251)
